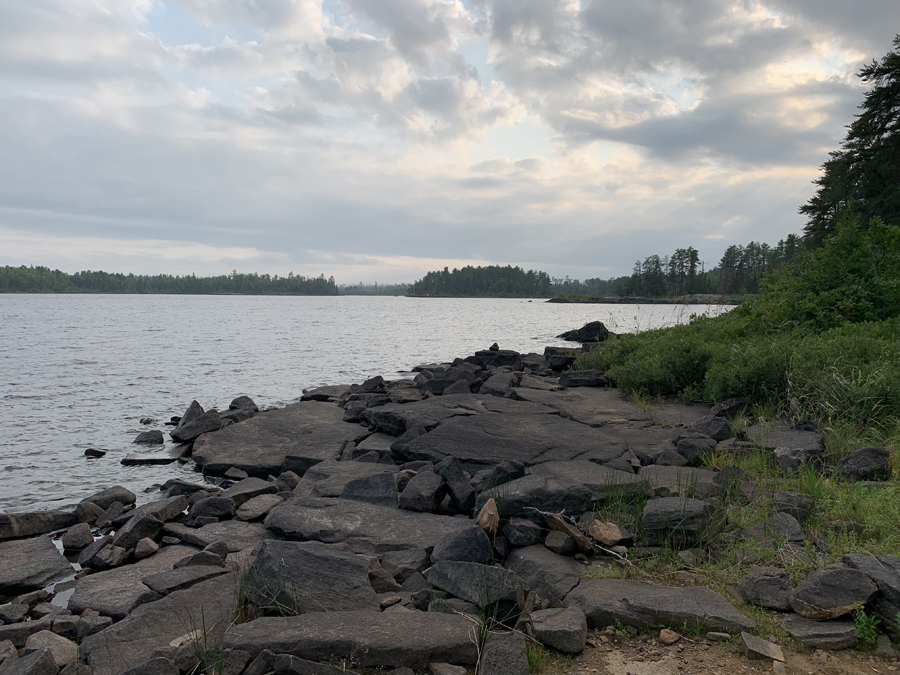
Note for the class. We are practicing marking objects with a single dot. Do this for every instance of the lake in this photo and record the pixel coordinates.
(80, 371)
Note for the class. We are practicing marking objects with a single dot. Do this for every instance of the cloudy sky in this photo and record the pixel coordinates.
(374, 140)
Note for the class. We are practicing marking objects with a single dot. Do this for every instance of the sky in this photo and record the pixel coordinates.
(375, 140)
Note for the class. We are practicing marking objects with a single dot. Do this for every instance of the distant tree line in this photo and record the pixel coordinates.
(373, 289)
(492, 281)
(44, 280)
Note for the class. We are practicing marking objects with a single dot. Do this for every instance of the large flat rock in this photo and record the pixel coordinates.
(206, 607)
(589, 405)
(20, 525)
(364, 528)
(293, 438)
(550, 575)
(601, 481)
(395, 418)
(390, 639)
(547, 493)
(328, 478)
(118, 591)
(644, 605)
(29, 564)
(239, 536)
(482, 441)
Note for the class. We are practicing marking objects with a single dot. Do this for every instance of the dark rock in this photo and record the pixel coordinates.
(550, 575)
(191, 429)
(482, 585)
(162, 509)
(669, 457)
(729, 408)
(258, 507)
(832, 592)
(207, 606)
(329, 478)
(647, 606)
(791, 460)
(247, 489)
(672, 481)
(714, 426)
(18, 633)
(796, 504)
(884, 571)
(561, 543)
(165, 583)
(521, 532)
(593, 331)
(462, 495)
(404, 563)
(105, 498)
(154, 437)
(140, 526)
(498, 358)
(13, 612)
(780, 528)
(243, 403)
(768, 587)
(215, 507)
(201, 521)
(77, 537)
(497, 475)
(89, 625)
(694, 448)
(203, 558)
(757, 648)
(827, 635)
(379, 489)
(86, 512)
(306, 577)
(326, 393)
(29, 564)
(600, 481)
(156, 666)
(22, 525)
(40, 662)
(458, 387)
(504, 654)
(412, 639)
(546, 493)
(285, 664)
(423, 492)
(584, 378)
(293, 438)
(676, 521)
(102, 555)
(559, 363)
(866, 464)
(467, 544)
(564, 630)
(262, 664)
(236, 474)
(802, 440)
(239, 536)
(94, 453)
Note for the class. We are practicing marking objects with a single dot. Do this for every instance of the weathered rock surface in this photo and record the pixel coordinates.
(257, 508)
(768, 587)
(365, 528)
(884, 571)
(583, 378)
(423, 492)
(792, 438)
(550, 575)
(757, 648)
(832, 592)
(77, 537)
(21, 525)
(154, 437)
(328, 478)
(504, 654)
(306, 577)
(644, 605)
(589, 405)
(676, 521)
(601, 482)
(179, 579)
(413, 639)
(140, 526)
(208, 606)
(62, 650)
(293, 438)
(675, 481)
(37, 663)
(191, 427)
(865, 464)
(105, 498)
(29, 564)
(467, 544)
(248, 488)
(239, 536)
(779, 529)
(547, 493)
(828, 635)
(379, 489)
(564, 630)
(482, 585)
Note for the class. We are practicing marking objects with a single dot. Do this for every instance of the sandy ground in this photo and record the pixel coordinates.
(644, 655)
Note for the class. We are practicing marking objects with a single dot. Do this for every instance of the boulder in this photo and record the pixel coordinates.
(482, 585)
(595, 407)
(207, 606)
(105, 498)
(192, 426)
(293, 438)
(561, 543)
(832, 592)
(462, 495)
(646, 606)
(204, 559)
(88, 513)
(215, 507)
(364, 528)
(673, 481)
(827, 635)
(162, 509)
(258, 507)
(757, 648)
(467, 544)
(550, 575)
(326, 393)
(778, 529)
(154, 437)
(796, 504)
(564, 630)
(714, 426)
(584, 378)
(248, 488)
(404, 563)
(791, 460)
(301, 577)
(140, 526)
(546, 493)
(695, 448)
(30, 564)
(675, 521)
(601, 482)
(792, 438)
(21, 525)
(504, 654)
(238, 535)
(424, 492)
(77, 537)
(40, 662)
(145, 548)
(392, 639)
(328, 478)
(884, 571)
(593, 331)
(62, 650)
(179, 579)
(285, 664)
(379, 489)
(768, 587)
(866, 464)
(521, 532)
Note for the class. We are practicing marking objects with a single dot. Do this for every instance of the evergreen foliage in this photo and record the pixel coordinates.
(44, 280)
(492, 281)
(373, 289)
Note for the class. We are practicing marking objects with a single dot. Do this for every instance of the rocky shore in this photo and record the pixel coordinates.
(451, 522)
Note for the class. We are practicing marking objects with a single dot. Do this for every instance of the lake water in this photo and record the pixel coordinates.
(80, 371)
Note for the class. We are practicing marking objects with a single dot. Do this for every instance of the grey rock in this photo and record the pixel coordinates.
(86, 512)
(467, 544)
(676, 521)
(458, 387)
(462, 495)
(592, 406)
(796, 504)
(243, 403)
(247, 489)
(832, 592)
(564, 630)
(179, 579)
(89, 625)
(413, 639)
(62, 651)
(216, 507)
(768, 587)
(140, 526)
(561, 543)
(263, 663)
(285, 664)
(547, 493)
(757, 648)
(293, 438)
(102, 555)
(326, 393)
(445, 669)
(208, 605)
(329, 478)
(105, 498)
(145, 548)
(673, 481)
(13, 612)
(424, 492)
(18, 633)
(601, 482)
(644, 605)
(364, 528)
(309, 577)
(695, 448)
(404, 563)
(550, 575)
(503, 472)
(827, 635)
(781, 527)
(203, 558)
(379, 489)
(162, 509)
(29, 564)
(584, 378)
(521, 532)
(866, 464)
(714, 426)
(156, 666)
(106, 518)
(21, 525)
(791, 460)
(154, 437)
(77, 537)
(803, 440)
(504, 654)
(482, 585)
(884, 571)
(238, 535)
(236, 474)
(193, 425)
(179, 486)
(258, 507)
(37, 663)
